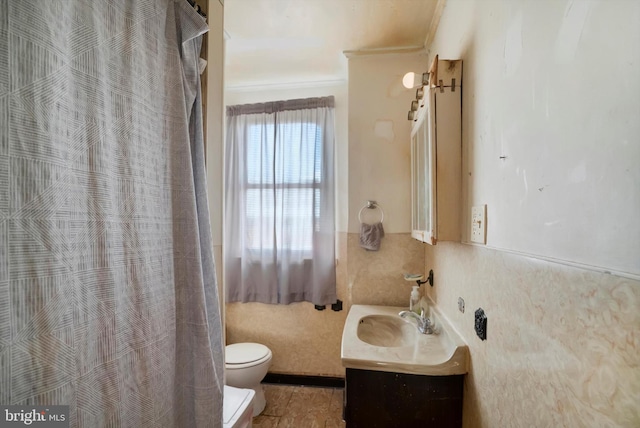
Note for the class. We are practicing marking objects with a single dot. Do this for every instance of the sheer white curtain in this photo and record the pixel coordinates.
(279, 212)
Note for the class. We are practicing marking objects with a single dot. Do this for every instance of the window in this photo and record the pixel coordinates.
(279, 227)
(291, 181)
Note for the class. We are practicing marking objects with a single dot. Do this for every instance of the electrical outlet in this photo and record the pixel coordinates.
(461, 304)
(479, 224)
(481, 324)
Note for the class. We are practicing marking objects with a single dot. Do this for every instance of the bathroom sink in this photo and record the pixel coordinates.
(376, 338)
(386, 331)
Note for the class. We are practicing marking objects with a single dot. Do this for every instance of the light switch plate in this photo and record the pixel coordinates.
(461, 304)
(479, 224)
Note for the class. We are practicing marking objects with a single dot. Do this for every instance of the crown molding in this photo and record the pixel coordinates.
(397, 50)
(285, 85)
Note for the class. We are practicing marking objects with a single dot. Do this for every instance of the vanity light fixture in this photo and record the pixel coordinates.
(420, 95)
(413, 80)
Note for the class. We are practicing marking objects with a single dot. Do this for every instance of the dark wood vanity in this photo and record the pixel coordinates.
(376, 399)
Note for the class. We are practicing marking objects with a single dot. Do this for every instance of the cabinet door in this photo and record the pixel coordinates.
(423, 174)
(377, 399)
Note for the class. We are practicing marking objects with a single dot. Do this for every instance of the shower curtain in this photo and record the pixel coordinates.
(108, 300)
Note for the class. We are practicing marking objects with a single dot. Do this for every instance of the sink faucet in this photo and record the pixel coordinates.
(424, 323)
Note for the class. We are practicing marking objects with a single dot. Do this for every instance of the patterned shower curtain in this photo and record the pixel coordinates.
(108, 300)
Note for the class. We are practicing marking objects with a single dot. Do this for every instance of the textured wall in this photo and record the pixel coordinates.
(562, 346)
(376, 277)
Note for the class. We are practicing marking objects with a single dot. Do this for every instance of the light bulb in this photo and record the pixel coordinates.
(408, 81)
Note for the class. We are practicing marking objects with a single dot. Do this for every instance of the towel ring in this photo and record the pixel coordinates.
(371, 205)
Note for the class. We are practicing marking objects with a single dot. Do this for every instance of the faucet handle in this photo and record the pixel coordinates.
(427, 321)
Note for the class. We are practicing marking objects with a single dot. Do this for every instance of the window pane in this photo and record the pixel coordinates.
(294, 228)
(299, 152)
(294, 222)
(260, 154)
(259, 211)
(294, 163)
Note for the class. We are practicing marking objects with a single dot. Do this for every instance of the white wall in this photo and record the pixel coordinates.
(554, 89)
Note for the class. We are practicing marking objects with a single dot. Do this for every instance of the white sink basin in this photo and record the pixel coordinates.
(386, 330)
(376, 338)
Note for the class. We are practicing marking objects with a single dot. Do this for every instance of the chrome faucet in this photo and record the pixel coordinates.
(424, 324)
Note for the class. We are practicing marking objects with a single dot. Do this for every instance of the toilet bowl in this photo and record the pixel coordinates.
(246, 365)
(237, 407)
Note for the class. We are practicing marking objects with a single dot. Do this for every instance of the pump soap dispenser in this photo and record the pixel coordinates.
(414, 303)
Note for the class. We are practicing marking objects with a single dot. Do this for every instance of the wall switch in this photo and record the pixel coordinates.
(479, 224)
(481, 324)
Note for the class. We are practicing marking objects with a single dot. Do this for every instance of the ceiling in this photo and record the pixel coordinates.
(294, 42)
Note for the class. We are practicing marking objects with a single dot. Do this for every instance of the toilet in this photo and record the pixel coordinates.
(237, 407)
(246, 365)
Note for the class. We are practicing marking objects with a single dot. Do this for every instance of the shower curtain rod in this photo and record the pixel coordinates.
(197, 8)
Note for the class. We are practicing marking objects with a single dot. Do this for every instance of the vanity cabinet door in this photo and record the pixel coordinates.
(375, 399)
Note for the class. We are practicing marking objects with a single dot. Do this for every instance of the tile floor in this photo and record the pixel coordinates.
(301, 407)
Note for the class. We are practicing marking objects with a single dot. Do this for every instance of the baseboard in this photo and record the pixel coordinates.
(302, 380)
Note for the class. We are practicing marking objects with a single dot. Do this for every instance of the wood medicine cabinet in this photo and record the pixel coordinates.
(436, 155)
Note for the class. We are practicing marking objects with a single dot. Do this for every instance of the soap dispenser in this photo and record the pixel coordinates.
(414, 303)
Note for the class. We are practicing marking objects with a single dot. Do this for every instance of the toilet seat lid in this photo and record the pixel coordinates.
(242, 353)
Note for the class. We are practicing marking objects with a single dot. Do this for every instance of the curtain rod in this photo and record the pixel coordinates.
(277, 106)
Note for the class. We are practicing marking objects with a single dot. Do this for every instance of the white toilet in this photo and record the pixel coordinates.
(237, 407)
(246, 365)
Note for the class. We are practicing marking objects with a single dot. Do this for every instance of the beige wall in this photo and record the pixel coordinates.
(563, 338)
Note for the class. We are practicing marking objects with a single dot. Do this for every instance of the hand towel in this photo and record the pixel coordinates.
(371, 235)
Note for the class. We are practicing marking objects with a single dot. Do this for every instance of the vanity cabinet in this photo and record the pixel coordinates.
(376, 399)
(436, 155)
